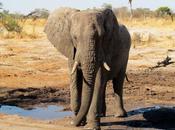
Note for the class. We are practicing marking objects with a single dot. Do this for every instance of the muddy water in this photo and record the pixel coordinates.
(45, 113)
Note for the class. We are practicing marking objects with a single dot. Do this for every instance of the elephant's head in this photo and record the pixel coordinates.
(81, 35)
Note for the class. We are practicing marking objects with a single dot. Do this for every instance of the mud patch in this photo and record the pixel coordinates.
(29, 97)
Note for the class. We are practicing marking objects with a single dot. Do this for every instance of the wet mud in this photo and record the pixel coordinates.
(29, 97)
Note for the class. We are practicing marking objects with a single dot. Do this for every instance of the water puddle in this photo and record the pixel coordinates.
(50, 112)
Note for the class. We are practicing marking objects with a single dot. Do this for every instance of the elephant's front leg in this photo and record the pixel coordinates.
(93, 114)
(75, 89)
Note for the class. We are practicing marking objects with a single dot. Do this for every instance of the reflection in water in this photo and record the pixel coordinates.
(46, 113)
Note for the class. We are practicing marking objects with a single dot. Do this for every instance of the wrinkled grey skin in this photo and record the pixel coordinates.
(89, 38)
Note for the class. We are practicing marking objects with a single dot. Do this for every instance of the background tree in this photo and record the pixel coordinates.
(164, 11)
(130, 2)
(1, 5)
(11, 24)
(107, 6)
(9, 21)
(38, 13)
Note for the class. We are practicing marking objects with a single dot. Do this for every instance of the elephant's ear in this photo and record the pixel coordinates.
(111, 35)
(125, 37)
(58, 30)
(110, 22)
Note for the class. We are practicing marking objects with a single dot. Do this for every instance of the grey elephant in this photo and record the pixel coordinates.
(90, 39)
(118, 69)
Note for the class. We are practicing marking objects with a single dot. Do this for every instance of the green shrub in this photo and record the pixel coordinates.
(107, 6)
(163, 11)
(10, 23)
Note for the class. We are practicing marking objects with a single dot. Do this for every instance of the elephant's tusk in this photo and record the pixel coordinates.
(106, 66)
(74, 67)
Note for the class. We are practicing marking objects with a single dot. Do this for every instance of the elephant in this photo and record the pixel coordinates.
(91, 42)
(118, 74)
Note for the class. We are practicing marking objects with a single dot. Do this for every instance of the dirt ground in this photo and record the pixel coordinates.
(33, 72)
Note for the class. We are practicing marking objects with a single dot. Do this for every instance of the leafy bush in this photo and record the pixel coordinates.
(164, 11)
(161, 11)
(107, 6)
(10, 23)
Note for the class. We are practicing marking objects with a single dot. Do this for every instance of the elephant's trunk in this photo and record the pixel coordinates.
(87, 92)
(88, 63)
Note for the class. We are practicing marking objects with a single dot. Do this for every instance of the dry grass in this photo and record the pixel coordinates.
(38, 22)
(32, 29)
(151, 31)
(148, 22)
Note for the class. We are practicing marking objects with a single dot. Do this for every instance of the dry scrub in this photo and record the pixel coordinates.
(32, 29)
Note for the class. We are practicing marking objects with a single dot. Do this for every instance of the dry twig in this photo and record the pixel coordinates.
(164, 63)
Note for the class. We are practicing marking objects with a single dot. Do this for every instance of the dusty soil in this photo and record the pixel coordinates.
(33, 72)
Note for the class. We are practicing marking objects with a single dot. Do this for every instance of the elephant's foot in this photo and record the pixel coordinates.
(121, 113)
(102, 115)
(83, 122)
(93, 126)
(73, 123)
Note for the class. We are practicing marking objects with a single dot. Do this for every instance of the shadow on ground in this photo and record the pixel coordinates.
(154, 117)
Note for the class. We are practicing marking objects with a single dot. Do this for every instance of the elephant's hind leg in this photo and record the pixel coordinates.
(118, 92)
(102, 106)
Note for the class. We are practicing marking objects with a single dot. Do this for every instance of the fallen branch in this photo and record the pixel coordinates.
(164, 63)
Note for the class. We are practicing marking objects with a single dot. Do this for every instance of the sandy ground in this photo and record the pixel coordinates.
(33, 72)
